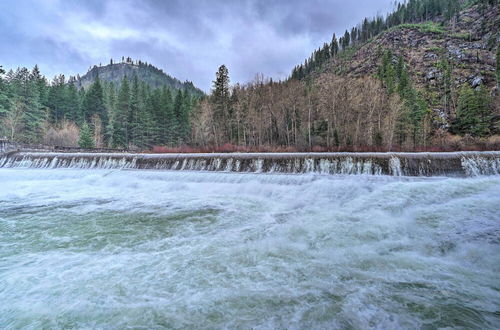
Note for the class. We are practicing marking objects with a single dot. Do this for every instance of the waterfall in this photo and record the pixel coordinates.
(395, 164)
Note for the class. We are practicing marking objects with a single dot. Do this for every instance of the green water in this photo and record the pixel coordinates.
(131, 249)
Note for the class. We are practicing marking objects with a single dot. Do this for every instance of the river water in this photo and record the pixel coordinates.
(159, 249)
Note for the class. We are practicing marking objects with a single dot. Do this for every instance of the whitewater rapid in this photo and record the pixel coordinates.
(172, 249)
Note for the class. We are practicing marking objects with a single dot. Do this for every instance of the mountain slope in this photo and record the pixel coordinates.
(148, 73)
(423, 77)
(464, 48)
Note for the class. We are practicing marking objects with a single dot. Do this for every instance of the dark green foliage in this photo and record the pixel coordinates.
(473, 112)
(121, 115)
(143, 118)
(497, 69)
(86, 140)
(394, 75)
(134, 125)
(72, 104)
(25, 105)
(93, 103)
(4, 98)
(151, 75)
(387, 73)
(57, 99)
(220, 97)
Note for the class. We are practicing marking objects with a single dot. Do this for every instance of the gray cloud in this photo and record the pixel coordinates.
(188, 39)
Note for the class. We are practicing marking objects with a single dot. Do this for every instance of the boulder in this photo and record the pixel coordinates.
(433, 74)
(476, 81)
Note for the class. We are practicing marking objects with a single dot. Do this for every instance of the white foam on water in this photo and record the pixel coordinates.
(150, 249)
(423, 164)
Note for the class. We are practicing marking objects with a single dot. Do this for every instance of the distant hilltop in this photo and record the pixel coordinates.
(116, 71)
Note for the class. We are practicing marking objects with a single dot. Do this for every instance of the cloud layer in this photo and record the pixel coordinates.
(188, 39)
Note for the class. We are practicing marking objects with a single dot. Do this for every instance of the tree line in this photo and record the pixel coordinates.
(332, 111)
(128, 114)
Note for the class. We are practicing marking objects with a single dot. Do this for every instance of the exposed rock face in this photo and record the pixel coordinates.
(477, 81)
(153, 76)
(467, 45)
(433, 73)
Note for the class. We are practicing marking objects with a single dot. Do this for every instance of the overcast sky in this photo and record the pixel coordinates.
(187, 39)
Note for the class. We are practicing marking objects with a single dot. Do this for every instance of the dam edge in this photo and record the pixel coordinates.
(456, 164)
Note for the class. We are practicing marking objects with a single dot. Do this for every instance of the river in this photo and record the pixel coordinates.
(176, 249)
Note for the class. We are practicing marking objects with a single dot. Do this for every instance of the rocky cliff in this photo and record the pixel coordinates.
(460, 50)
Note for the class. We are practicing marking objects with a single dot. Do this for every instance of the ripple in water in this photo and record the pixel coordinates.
(116, 249)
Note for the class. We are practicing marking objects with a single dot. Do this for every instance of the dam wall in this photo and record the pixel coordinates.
(461, 164)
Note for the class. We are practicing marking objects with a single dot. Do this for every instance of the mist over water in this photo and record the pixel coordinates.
(115, 249)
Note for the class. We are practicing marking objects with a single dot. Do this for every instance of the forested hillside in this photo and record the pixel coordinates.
(115, 72)
(426, 76)
(126, 113)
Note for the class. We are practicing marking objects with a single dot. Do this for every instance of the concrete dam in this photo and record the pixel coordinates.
(459, 164)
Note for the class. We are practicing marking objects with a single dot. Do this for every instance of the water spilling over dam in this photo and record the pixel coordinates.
(396, 164)
(328, 241)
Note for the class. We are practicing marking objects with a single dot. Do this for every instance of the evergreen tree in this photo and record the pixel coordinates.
(110, 103)
(221, 99)
(120, 124)
(410, 122)
(41, 85)
(387, 72)
(134, 128)
(346, 39)
(473, 112)
(26, 98)
(86, 140)
(181, 111)
(57, 98)
(5, 100)
(167, 118)
(334, 46)
(72, 104)
(93, 103)
(146, 117)
(497, 69)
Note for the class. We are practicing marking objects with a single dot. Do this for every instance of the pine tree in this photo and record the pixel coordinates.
(41, 85)
(120, 124)
(133, 119)
(220, 99)
(5, 100)
(26, 96)
(387, 72)
(473, 112)
(72, 101)
(57, 98)
(181, 108)
(167, 119)
(86, 141)
(178, 109)
(497, 70)
(145, 120)
(110, 103)
(93, 103)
